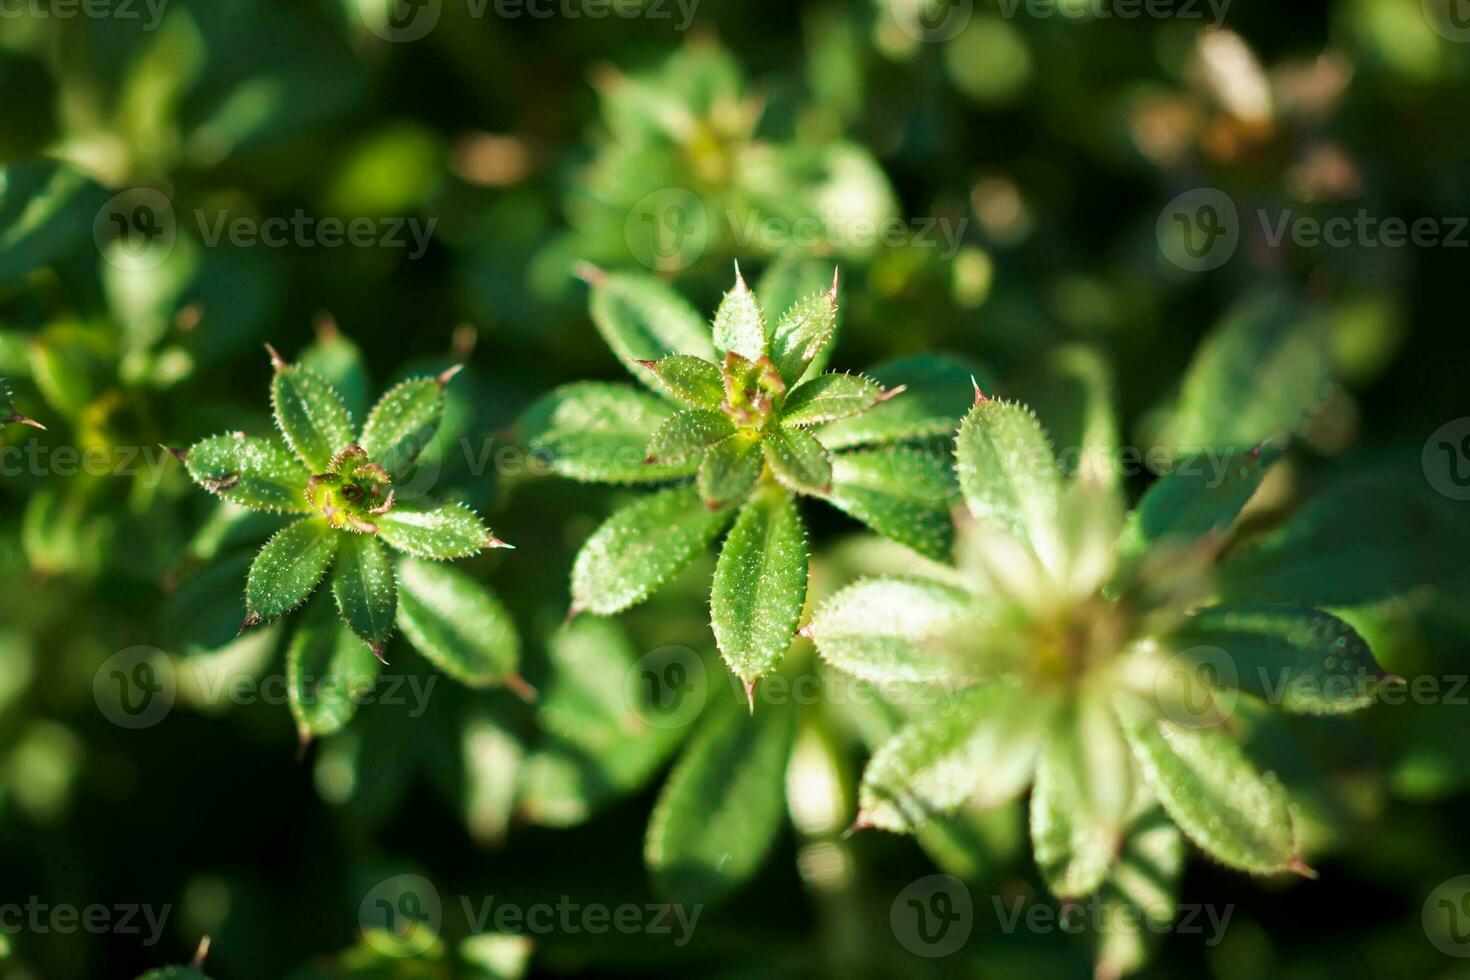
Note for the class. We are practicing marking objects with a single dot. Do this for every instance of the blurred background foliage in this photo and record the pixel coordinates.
(1050, 145)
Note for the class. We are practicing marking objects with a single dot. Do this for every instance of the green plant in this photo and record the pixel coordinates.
(740, 423)
(1096, 658)
(339, 485)
(13, 415)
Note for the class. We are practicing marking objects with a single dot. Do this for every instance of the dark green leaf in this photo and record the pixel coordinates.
(402, 423)
(366, 593)
(902, 492)
(1201, 494)
(598, 432)
(798, 460)
(257, 473)
(937, 394)
(288, 568)
(456, 623)
(310, 414)
(328, 672)
(729, 470)
(760, 584)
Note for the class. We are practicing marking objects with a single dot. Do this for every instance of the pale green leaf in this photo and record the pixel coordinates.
(902, 492)
(1079, 805)
(688, 433)
(798, 460)
(886, 629)
(1009, 476)
(642, 319)
(692, 380)
(978, 747)
(402, 423)
(722, 806)
(328, 672)
(760, 584)
(257, 473)
(441, 532)
(1140, 898)
(828, 397)
(1304, 661)
(641, 547)
(740, 325)
(456, 623)
(366, 592)
(729, 470)
(803, 334)
(782, 286)
(288, 568)
(310, 414)
(1206, 784)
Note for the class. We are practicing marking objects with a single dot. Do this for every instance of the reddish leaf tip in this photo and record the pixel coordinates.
(832, 292)
(493, 542)
(750, 694)
(642, 363)
(979, 395)
(24, 420)
(325, 326)
(517, 685)
(377, 649)
(573, 611)
(201, 952)
(892, 393)
(447, 375)
(806, 632)
(177, 454)
(860, 823)
(1297, 866)
(277, 361)
(589, 273)
(251, 621)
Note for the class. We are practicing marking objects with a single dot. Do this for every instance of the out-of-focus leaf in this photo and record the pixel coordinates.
(1201, 494)
(882, 629)
(456, 623)
(597, 432)
(938, 392)
(1009, 475)
(46, 212)
(328, 671)
(902, 492)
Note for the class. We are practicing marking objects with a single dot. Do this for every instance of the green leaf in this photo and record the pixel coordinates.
(1304, 661)
(1260, 372)
(1201, 494)
(690, 379)
(598, 432)
(1209, 788)
(1079, 805)
(641, 547)
(804, 333)
(902, 492)
(740, 325)
(257, 473)
(1009, 476)
(366, 592)
(783, 285)
(798, 460)
(456, 623)
(760, 584)
(980, 747)
(689, 433)
(1360, 539)
(47, 211)
(828, 397)
(884, 629)
(310, 414)
(442, 532)
(328, 672)
(937, 394)
(336, 358)
(288, 568)
(642, 319)
(1073, 395)
(403, 421)
(722, 805)
(729, 470)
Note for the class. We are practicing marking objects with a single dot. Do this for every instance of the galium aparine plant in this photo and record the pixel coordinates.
(735, 429)
(1096, 658)
(339, 483)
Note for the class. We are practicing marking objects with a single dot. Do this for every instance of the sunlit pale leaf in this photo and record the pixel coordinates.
(642, 319)
(441, 532)
(740, 324)
(828, 397)
(1009, 475)
(692, 380)
(884, 629)
(803, 334)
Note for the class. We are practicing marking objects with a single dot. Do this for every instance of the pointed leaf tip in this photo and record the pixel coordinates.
(377, 649)
(493, 542)
(806, 632)
(277, 361)
(979, 395)
(892, 393)
(517, 685)
(859, 823)
(177, 454)
(1297, 866)
(750, 694)
(589, 273)
(24, 420)
(444, 377)
(832, 293)
(250, 621)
